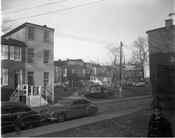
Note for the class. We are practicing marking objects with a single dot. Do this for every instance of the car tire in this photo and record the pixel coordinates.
(61, 118)
(29, 126)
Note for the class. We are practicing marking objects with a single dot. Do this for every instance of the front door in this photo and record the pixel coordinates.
(18, 78)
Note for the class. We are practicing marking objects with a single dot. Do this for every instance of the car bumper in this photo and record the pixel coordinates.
(51, 118)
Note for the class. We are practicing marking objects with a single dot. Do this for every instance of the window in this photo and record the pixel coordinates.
(5, 111)
(30, 78)
(17, 109)
(78, 102)
(12, 52)
(4, 50)
(46, 56)
(86, 102)
(30, 55)
(31, 33)
(46, 37)
(4, 77)
(27, 109)
(46, 78)
(17, 54)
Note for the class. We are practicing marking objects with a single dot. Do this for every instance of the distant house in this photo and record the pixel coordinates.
(28, 57)
(162, 63)
(70, 70)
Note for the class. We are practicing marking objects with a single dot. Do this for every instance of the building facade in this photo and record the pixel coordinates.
(162, 64)
(37, 61)
(12, 66)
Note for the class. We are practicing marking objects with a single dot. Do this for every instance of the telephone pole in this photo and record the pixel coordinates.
(120, 88)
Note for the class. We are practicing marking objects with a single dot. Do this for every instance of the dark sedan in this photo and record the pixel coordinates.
(70, 107)
(10, 111)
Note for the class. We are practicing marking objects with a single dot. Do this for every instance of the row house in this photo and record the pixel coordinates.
(162, 64)
(73, 70)
(132, 72)
(69, 71)
(28, 57)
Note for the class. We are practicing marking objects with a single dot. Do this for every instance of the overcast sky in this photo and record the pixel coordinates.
(83, 28)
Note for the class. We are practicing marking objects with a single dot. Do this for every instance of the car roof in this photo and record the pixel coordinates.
(11, 104)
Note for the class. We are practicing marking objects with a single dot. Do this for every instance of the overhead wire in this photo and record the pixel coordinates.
(74, 7)
(75, 37)
(34, 7)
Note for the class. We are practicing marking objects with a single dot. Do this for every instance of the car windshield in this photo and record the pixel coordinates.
(65, 101)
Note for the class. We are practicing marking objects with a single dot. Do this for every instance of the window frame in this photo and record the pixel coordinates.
(17, 54)
(46, 79)
(4, 50)
(46, 36)
(46, 56)
(31, 56)
(12, 55)
(31, 33)
(4, 77)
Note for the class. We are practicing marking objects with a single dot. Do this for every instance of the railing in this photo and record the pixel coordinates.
(13, 94)
(27, 91)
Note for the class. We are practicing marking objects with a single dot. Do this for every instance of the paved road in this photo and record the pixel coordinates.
(108, 109)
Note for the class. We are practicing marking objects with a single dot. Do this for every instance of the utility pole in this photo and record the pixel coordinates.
(120, 89)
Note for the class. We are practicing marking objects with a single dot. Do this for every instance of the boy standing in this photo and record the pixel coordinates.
(159, 126)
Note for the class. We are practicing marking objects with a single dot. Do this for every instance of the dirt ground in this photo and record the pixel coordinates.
(132, 125)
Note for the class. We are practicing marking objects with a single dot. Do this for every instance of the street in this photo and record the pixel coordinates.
(107, 109)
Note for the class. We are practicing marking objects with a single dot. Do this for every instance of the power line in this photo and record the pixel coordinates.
(81, 38)
(132, 48)
(57, 11)
(34, 7)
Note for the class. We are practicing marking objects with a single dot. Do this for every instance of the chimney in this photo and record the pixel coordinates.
(168, 23)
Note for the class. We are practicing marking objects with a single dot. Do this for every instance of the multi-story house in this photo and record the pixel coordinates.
(12, 66)
(162, 64)
(34, 57)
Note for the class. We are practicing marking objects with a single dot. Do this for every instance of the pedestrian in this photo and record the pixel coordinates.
(18, 125)
(159, 126)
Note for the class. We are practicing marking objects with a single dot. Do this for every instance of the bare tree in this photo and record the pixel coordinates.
(114, 55)
(140, 54)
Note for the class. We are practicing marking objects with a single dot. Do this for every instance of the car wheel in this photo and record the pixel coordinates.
(61, 118)
(30, 126)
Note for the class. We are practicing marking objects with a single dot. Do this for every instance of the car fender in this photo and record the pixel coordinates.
(91, 109)
(56, 113)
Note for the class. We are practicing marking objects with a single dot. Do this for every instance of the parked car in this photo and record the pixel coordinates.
(69, 107)
(98, 91)
(10, 111)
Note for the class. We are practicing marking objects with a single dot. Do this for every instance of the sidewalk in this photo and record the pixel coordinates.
(78, 122)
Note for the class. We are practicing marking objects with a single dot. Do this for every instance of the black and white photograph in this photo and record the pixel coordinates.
(87, 68)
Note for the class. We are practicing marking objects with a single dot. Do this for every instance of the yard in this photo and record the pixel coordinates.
(127, 92)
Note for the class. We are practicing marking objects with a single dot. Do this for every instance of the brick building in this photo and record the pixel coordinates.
(162, 64)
